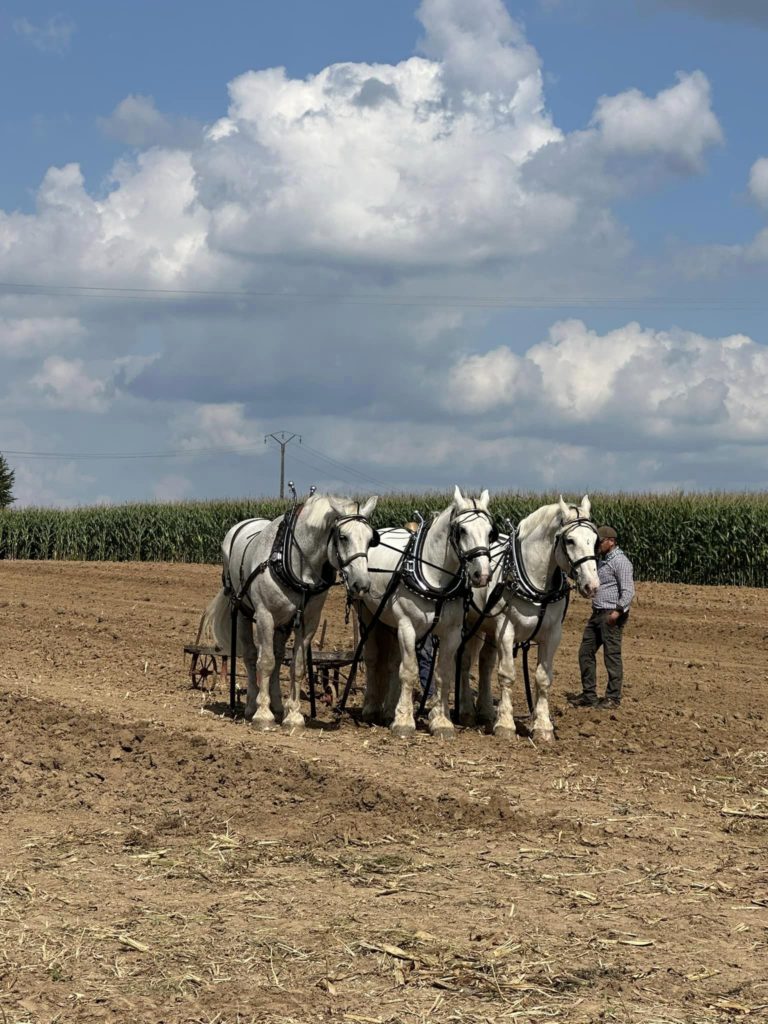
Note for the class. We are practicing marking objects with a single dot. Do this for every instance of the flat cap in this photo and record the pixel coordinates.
(607, 533)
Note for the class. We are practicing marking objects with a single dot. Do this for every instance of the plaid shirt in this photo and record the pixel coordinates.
(617, 587)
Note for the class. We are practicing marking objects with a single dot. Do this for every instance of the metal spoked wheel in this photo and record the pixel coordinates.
(204, 672)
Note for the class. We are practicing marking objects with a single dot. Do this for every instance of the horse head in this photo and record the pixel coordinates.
(575, 546)
(472, 531)
(350, 538)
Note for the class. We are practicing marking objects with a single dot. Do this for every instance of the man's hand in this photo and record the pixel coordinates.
(613, 618)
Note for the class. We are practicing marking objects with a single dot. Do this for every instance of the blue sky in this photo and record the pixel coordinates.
(600, 149)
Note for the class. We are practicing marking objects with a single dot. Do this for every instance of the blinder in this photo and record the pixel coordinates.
(566, 530)
(467, 556)
(374, 542)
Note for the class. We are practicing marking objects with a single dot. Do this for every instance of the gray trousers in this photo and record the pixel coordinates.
(599, 633)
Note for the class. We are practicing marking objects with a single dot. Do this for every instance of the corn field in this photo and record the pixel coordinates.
(677, 538)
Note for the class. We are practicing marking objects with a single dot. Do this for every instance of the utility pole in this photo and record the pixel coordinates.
(283, 438)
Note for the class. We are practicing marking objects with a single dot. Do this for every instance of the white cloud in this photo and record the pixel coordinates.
(66, 384)
(172, 487)
(758, 181)
(210, 425)
(678, 123)
(49, 483)
(53, 35)
(136, 121)
(429, 164)
(441, 175)
(634, 383)
(27, 337)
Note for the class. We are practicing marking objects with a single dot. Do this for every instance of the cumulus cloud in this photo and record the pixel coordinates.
(67, 384)
(173, 487)
(727, 10)
(54, 35)
(136, 121)
(716, 260)
(27, 337)
(351, 206)
(442, 162)
(678, 123)
(211, 425)
(672, 387)
(758, 181)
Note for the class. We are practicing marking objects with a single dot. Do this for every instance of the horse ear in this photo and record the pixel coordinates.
(458, 497)
(564, 510)
(585, 510)
(369, 506)
(484, 498)
(338, 506)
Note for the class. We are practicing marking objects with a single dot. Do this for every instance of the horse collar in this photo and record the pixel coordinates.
(517, 580)
(413, 577)
(280, 559)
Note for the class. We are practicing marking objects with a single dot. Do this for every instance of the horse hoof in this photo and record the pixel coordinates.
(469, 720)
(543, 736)
(403, 732)
(264, 724)
(505, 732)
(289, 727)
(444, 732)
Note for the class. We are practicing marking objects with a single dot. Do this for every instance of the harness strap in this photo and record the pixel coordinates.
(413, 577)
(467, 635)
(365, 631)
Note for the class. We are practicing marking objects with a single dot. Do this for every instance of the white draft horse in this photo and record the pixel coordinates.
(450, 554)
(278, 573)
(531, 588)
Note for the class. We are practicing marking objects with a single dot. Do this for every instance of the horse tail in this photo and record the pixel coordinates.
(216, 623)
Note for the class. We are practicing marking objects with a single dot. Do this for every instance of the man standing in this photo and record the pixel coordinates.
(610, 608)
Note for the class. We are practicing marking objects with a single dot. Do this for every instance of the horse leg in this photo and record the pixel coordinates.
(389, 661)
(275, 693)
(486, 665)
(440, 723)
(247, 650)
(374, 678)
(504, 726)
(467, 715)
(263, 719)
(303, 636)
(543, 729)
(404, 723)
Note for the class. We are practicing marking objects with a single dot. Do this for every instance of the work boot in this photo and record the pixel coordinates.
(608, 703)
(585, 700)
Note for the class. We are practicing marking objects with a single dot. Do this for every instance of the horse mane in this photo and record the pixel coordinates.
(538, 520)
(318, 507)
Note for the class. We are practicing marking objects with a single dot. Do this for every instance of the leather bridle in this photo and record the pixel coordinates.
(563, 534)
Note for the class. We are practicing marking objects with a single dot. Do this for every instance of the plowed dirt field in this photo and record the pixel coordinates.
(160, 862)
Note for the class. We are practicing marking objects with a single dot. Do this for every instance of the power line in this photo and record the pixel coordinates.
(364, 299)
(180, 453)
(352, 474)
(342, 465)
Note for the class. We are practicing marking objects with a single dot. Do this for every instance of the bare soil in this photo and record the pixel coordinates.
(161, 862)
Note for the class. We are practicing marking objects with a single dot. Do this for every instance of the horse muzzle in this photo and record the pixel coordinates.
(359, 587)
